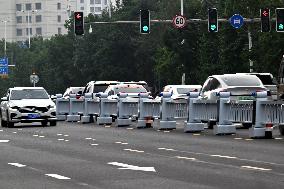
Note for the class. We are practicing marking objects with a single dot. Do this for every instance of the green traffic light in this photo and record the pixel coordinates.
(281, 27)
(213, 27)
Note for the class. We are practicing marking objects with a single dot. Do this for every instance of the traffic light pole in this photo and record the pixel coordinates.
(250, 47)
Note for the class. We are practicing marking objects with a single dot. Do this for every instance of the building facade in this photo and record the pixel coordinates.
(23, 19)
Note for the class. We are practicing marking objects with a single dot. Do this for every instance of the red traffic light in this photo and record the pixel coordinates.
(265, 12)
(78, 16)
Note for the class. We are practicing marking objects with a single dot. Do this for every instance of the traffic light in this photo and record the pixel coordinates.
(280, 19)
(265, 19)
(144, 21)
(212, 20)
(79, 23)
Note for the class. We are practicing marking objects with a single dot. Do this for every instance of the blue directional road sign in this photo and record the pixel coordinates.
(4, 61)
(237, 21)
(4, 70)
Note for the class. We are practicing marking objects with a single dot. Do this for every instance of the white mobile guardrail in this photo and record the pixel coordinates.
(108, 109)
(76, 108)
(91, 108)
(62, 107)
(171, 110)
(199, 110)
(127, 108)
(149, 109)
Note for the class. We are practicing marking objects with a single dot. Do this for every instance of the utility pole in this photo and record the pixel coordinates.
(250, 47)
(181, 7)
(109, 8)
(5, 38)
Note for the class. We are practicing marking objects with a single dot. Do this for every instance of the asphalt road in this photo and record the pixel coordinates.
(79, 156)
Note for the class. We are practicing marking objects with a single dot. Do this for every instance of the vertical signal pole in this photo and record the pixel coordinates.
(181, 7)
(250, 46)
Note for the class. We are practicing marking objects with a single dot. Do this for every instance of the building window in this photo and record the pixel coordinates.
(92, 9)
(59, 31)
(27, 31)
(19, 32)
(38, 18)
(38, 6)
(98, 1)
(58, 6)
(105, 2)
(19, 7)
(82, 8)
(38, 31)
(92, 2)
(19, 19)
(58, 18)
(98, 9)
(28, 19)
(81, 1)
(28, 6)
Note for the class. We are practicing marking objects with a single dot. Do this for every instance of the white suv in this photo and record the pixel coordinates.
(26, 105)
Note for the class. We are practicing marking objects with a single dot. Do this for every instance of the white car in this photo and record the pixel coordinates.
(132, 90)
(73, 90)
(26, 105)
(181, 91)
(241, 86)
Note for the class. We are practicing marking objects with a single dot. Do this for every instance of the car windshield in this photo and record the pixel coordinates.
(29, 94)
(100, 88)
(186, 90)
(241, 81)
(266, 79)
(138, 89)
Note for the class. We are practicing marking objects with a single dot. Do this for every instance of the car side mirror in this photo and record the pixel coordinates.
(4, 98)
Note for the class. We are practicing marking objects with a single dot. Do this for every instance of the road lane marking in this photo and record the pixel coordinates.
(228, 157)
(187, 158)
(124, 143)
(41, 136)
(166, 131)
(132, 167)
(196, 134)
(20, 129)
(118, 142)
(248, 139)
(1, 130)
(4, 141)
(66, 140)
(161, 148)
(15, 132)
(167, 149)
(17, 164)
(278, 138)
(256, 168)
(61, 139)
(35, 135)
(130, 128)
(88, 138)
(66, 135)
(94, 144)
(139, 151)
(59, 134)
(238, 138)
(60, 177)
(107, 126)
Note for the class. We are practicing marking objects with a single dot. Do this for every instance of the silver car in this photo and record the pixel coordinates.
(241, 86)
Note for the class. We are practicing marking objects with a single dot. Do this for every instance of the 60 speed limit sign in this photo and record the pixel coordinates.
(179, 21)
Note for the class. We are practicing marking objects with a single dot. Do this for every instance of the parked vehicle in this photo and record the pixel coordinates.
(73, 90)
(268, 81)
(98, 86)
(143, 83)
(181, 91)
(241, 86)
(25, 105)
(132, 90)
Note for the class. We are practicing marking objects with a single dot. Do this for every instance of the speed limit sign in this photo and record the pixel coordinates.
(179, 21)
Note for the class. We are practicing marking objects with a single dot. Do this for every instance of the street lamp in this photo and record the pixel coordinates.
(29, 32)
(5, 36)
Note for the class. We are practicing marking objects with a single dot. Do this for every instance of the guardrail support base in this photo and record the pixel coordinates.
(61, 117)
(193, 127)
(123, 122)
(104, 120)
(85, 119)
(167, 125)
(71, 118)
(256, 132)
(224, 129)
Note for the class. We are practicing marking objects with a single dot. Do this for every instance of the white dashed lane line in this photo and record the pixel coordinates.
(15, 132)
(94, 144)
(278, 138)
(131, 150)
(88, 138)
(238, 138)
(256, 168)
(187, 158)
(59, 134)
(228, 157)
(4, 141)
(17, 164)
(66, 135)
(41, 136)
(61, 139)
(35, 135)
(167, 149)
(1, 130)
(60, 177)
